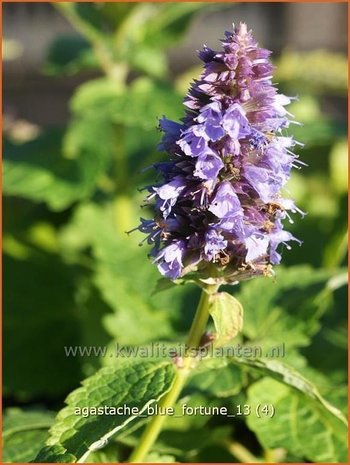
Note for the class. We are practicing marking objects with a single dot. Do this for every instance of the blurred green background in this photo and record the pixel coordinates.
(84, 85)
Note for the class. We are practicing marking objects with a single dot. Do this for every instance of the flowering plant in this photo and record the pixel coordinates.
(219, 210)
(84, 301)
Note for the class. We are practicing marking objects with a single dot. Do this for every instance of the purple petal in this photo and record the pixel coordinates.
(256, 247)
(214, 243)
(169, 260)
(225, 201)
(208, 166)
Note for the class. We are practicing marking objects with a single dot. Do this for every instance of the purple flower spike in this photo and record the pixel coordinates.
(219, 208)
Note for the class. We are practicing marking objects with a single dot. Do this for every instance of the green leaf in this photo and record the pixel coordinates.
(52, 454)
(96, 98)
(185, 435)
(68, 55)
(91, 310)
(141, 150)
(289, 376)
(126, 280)
(188, 440)
(38, 299)
(139, 105)
(163, 284)
(116, 12)
(153, 26)
(86, 18)
(109, 454)
(82, 142)
(132, 383)
(24, 433)
(168, 23)
(302, 427)
(37, 170)
(227, 314)
(288, 308)
(150, 60)
(337, 247)
(221, 382)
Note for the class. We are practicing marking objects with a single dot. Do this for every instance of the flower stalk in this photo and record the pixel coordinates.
(197, 330)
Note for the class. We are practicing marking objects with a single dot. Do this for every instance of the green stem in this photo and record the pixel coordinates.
(201, 317)
(154, 427)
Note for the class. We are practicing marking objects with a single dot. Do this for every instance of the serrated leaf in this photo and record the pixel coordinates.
(126, 280)
(222, 382)
(132, 383)
(54, 454)
(24, 433)
(289, 376)
(288, 308)
(227, 314)
(303, 428)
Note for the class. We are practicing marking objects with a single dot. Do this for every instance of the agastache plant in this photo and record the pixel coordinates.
(219, 209)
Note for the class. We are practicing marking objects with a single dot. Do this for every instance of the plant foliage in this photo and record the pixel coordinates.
(74, 278)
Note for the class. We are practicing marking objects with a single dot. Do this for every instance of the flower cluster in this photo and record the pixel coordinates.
(218, 208)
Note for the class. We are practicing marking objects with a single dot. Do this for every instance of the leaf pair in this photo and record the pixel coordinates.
(302, 416)
(132, 383)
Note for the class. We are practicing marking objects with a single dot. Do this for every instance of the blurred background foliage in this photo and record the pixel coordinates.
(73, 277)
